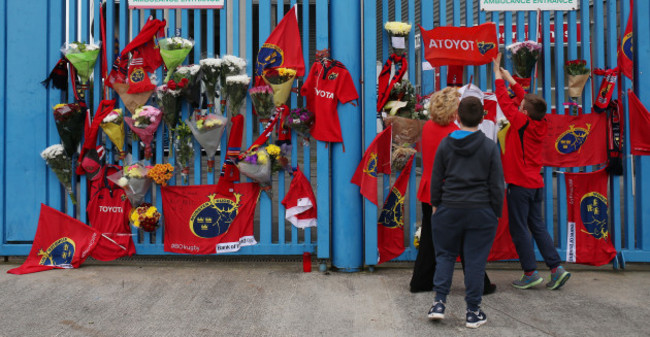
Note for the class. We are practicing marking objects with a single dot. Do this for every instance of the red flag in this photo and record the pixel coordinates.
(375, 160)
(61, 242)
(300, 202)
(460, 45)
(573, 141)
(503, 248)
(588, 240)
(639, 122)
(625, 55)
(390, 225)
(92, 128)
(200, 221)
(283, 47)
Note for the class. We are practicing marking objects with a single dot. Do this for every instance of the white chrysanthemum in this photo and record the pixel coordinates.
(234, 61)
(243, 79)
(194, 69)
(52, 151)
(211, 62)
(122, 182)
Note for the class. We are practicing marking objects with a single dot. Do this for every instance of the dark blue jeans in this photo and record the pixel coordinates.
(525, 218)
(475, 228)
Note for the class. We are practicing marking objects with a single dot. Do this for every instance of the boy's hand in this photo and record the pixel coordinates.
(506, 76)
(496, 66)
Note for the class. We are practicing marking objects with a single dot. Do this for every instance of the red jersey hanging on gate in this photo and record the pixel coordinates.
(588, 239)
(108, 212)
(327, 84)
(199, 220)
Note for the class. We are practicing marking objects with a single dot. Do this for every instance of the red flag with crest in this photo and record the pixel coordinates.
(588, 240)
(460, 45)
(638, 129)
(375, 160)
(625, 54)
(61, 242)
(199, 220)
(573, 141)
(283, 47)
(390, 225)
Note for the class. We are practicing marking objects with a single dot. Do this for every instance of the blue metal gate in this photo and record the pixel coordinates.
(350, 29)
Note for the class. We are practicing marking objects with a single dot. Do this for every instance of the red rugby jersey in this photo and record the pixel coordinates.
(327, 84)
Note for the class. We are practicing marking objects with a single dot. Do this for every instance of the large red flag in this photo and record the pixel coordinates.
(390, 225)
(503, 248)
(573, 141)
(375, 160)
(638, 129)
(460, 45)
(200, 221)
(61, 242)
(588, 240)
(283, 47)
(625, 54)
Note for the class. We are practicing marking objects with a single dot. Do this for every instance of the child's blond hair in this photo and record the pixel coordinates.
(444, 105)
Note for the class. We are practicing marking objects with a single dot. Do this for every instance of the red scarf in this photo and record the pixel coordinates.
(384, 86)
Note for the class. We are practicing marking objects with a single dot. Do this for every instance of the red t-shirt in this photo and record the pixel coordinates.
(432, 135)
(327, 84)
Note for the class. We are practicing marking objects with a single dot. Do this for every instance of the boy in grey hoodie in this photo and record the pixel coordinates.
(467, 190)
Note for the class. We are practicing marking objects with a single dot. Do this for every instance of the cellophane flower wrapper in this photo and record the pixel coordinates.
(184, 149)
(262, 98)
(145, 217)
(256, 165)
(173, 51)
(524, 57)
(398, 33)
(133, 179)
(169, 101)
(138, 124)
(281, 80)
(405, 131)
(113, 126)
(208, 129)
(578, 74)
(210, 72)
(235, 92)
(301, 121)
(191, 76)
(82, 56)
(69, 119)
(56, 158)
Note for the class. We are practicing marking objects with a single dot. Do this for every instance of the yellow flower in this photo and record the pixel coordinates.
(273, 150)
(397, 28)
(58, 106)
(262, 158)
(151, 211)
(212, 122)
(199, 124)
(286, 72)
(135, 218)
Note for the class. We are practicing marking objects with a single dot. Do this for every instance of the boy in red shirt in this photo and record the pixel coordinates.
(521, 168)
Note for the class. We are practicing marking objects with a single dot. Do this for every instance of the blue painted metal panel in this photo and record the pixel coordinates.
(322, 151)
(3, 116)
(628, 183)
(56, 32)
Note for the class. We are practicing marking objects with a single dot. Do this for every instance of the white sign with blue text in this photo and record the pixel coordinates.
(529, 5)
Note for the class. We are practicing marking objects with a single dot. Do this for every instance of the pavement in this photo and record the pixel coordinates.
(166, 296)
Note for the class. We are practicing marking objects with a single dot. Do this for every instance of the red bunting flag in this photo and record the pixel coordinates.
(375, 160)
(283, 47)
(638, 129)
(573, 141)
(199, 220)
(588, 240)
(460, 45)
(625, 54)
(390, 225)
(61, 242)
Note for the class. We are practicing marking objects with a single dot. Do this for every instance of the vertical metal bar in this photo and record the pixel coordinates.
(266, 220)
(322, 152)
(469, 22)
(548, 97)
(306, 148)
(507, 37)
(585, 47)
(426, 11)
(628, 183)
(559, 109)
(281, 190)
(412, 189)
(235, 28)
(198, 48)
(398, 10)
(369, 120)
(54, 38)
(442, 18)
(223, 50)
(159, 153)
(384, 37)
(171, 28)
(209, 37)
(482, 70)
(135, 28)
(250, 70)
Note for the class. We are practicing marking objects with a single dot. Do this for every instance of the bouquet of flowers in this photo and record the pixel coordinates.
(279, 157)
(168, 100)
(300, 120)
(281, 80)
(211, 70)
(256, 165)
(400, 155)
(173, 51)
(262, 97)
(145, 217)
(144, 123)
(83, 57)
(135, 182)
(161, 173)
(578, 76)
(398, 33)
(207, 130)
(113, 126)
(184, 149)
(235, 92)
(231, 65)
(188, 80)
(524, 57)
(61, 164)
(69, 119)
(403, 115)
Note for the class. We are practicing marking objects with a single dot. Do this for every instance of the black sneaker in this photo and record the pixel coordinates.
(474, 319)
(437, 311)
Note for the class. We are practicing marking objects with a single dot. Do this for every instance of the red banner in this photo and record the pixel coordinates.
(460, 45)
(588, 240)
(375, 160)
(625, 54)
(200, 221)
(573, 141)
(638, 128)
(503, 248)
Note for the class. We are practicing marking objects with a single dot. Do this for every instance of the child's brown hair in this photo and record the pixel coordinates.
(535, 105)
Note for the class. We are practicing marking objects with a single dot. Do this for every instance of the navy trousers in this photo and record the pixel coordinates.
(475, 228)
(525, 218)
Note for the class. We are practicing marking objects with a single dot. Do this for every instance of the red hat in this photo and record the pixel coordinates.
(300, 202)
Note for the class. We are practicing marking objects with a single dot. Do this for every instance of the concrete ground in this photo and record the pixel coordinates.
(204, 297)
